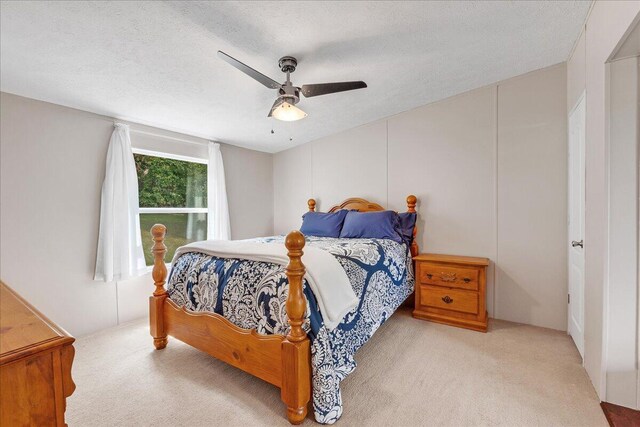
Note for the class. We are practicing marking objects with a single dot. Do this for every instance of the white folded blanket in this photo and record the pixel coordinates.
(325, 275)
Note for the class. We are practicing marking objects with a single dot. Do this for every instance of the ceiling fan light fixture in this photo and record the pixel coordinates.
(288, 112)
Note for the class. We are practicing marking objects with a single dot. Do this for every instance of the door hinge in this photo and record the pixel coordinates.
(568, 298)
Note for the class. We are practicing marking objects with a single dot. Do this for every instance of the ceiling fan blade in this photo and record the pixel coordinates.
(256, 75)
(326, 88)
(275, 105)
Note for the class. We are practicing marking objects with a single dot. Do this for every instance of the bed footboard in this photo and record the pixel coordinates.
(284, 361)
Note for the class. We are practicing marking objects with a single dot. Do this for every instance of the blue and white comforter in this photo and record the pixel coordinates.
(252, 295)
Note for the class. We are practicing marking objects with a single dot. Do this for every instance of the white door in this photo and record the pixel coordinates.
(577, 122)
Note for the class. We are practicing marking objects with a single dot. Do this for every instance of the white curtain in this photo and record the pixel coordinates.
(218, 226)
(120, 254)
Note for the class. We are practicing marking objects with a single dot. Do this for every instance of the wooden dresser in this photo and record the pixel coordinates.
(35, 365)
(452, 290)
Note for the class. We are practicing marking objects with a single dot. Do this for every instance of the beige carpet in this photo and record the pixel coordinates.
(411, 373)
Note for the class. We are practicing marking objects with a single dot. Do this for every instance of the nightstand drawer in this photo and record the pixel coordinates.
(449, 299)
(450, 276)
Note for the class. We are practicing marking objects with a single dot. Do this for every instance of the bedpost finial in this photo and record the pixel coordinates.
(158, 231)
(312, 205)
(294, 241)
(411, 203)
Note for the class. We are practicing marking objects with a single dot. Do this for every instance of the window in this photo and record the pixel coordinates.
(172, 191)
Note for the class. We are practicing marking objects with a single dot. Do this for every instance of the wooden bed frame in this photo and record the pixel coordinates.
(284, 361)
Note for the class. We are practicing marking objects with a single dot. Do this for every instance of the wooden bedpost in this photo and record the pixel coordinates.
(156, 301)
(411, 203)
(312, 205)
(411, 207)
(296, 351)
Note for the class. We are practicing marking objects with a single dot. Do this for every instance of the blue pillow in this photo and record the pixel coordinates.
(321, 224)
(407, 222)
(373, 225)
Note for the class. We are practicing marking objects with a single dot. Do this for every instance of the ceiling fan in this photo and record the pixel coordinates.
(289, 95)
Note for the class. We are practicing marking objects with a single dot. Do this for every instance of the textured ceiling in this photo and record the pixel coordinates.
(155, 62)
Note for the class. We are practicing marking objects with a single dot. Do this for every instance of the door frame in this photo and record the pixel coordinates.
(618, 372)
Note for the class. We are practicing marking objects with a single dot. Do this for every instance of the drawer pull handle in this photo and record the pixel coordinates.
(448, 277)
(447, 299)
(466, 280)
(429, 275)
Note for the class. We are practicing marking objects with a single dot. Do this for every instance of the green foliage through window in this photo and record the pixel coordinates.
(168, 183)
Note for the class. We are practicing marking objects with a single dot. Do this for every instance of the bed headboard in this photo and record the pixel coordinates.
(362, 205)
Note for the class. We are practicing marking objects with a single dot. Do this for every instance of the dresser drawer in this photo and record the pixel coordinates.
(449, 299)
(450, 276)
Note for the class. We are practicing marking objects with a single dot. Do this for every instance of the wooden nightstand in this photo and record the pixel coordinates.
(452, 290)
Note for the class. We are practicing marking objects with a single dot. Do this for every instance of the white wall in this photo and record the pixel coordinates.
(586, 70)
(489, 169)
(52, 162)
(531, 273)
(445, 154)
